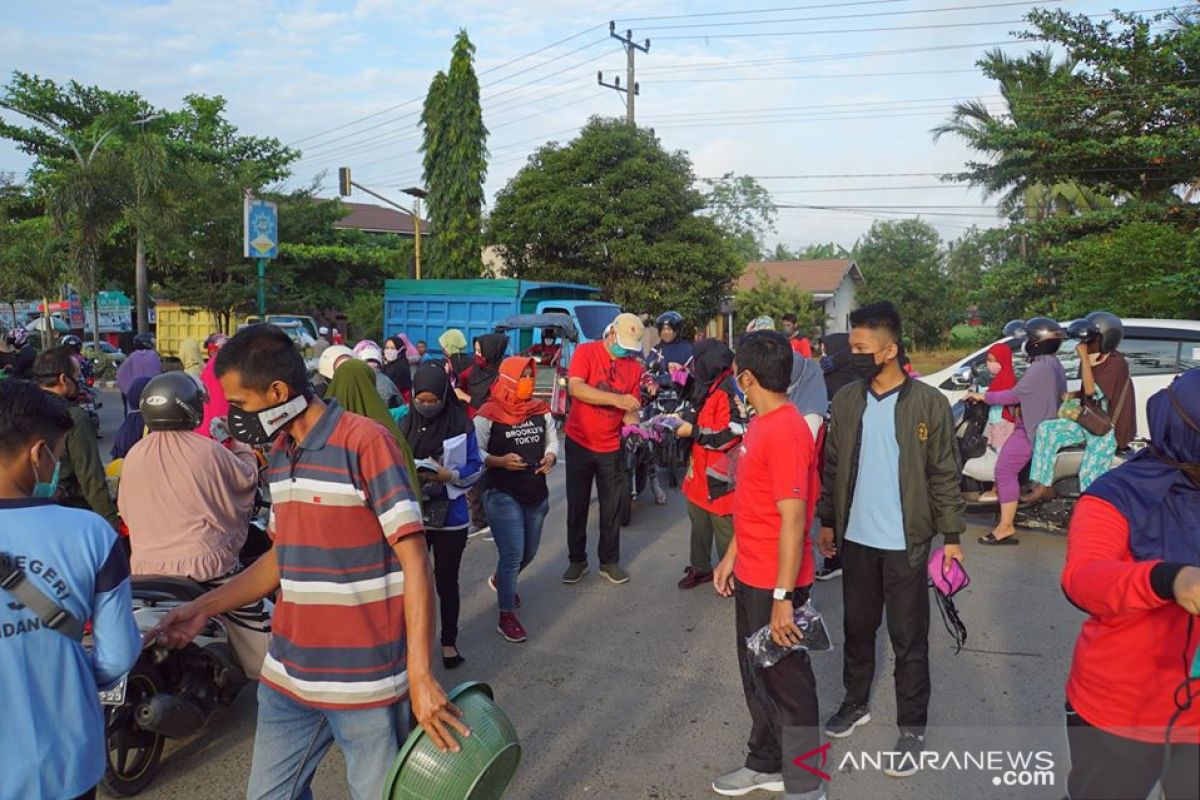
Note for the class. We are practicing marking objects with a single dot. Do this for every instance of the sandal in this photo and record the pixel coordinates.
(991, 539)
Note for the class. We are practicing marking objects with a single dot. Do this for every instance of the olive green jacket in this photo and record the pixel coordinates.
(81, 479)
(930, 472)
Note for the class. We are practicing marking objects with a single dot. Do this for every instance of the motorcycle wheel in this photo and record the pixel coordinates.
(134, 755)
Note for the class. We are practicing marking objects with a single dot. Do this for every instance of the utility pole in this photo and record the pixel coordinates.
(630, 88)
(345, 183)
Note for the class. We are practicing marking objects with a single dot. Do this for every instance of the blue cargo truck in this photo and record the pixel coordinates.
(424, 309)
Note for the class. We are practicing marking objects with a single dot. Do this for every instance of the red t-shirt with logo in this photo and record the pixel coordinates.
(598, 428)
(777, 462)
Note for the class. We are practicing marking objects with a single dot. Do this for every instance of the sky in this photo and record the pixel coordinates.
(829, 103)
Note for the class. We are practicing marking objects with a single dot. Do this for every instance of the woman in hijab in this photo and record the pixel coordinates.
(716, 429)
(806, 391)
(448, 464)
(480, 376)
(396, 366)
(836, 363)
(519, 444)
(133, 426)
(216, 407)
(1001, 419)
(1133, 564)
(454, 345)
(139, 364)
(192, 358)
(353, 387)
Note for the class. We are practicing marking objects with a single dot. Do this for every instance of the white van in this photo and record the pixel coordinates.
(1157, 351)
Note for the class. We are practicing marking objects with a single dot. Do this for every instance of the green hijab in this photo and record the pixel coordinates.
(353, 386)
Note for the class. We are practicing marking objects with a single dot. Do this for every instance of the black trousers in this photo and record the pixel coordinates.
(873, 580)
(447, 547)
(784, 717)
(1105, 766)
(584, 467)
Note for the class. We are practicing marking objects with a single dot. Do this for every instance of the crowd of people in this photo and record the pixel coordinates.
(379, 469)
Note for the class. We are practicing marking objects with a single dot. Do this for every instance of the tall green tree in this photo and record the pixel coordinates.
(614, 209)
(744, 210)
(455, 166)
(902, 261)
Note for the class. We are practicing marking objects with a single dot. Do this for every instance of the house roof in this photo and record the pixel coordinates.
(378, 219)
(817, 277)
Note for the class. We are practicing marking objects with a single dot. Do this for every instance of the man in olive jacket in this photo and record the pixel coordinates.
(891, 485)
(81, 480)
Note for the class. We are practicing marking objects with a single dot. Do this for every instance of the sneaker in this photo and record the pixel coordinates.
(660, 497)
(847, 718)
(574, 573)
(614, 573)
(510, 627)
(693, 577)
(492, 584)
(906, 759)
(487, 537)
(743, 781)
(486, 529)
(828, 573)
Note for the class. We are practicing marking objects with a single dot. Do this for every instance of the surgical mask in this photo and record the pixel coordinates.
(429, 410)
(524, 388)
(48, 488)
(863, 366)
(260, 427)
(620, 352)
(390, 355)
(994, 367)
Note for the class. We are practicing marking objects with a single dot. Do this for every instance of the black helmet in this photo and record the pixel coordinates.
(672, 319)
(1015, 328)
(143, 341)
(72, 341)
(1098, 325)
(1043, 337)
(172, 401)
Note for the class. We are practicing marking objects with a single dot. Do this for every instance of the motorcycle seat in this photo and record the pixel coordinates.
(167, 587)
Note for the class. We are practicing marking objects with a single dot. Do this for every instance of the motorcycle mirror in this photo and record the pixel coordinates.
(963, 378)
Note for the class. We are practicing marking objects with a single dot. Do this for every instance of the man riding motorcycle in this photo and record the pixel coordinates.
(672, 353)
(143, 362)
(17, 354)
(187, 501)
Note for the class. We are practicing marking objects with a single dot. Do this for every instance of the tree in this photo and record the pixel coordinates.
(743, 209)
(613, 209)
(455, 165)
(902, 261)
(774, 297)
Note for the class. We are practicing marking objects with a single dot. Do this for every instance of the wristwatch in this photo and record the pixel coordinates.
(781, 594)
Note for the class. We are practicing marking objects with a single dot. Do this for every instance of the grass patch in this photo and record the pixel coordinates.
(928, 361)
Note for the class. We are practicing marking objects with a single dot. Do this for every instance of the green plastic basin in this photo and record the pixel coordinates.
(480, 770)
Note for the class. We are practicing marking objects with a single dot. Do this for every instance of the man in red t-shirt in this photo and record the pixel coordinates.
(603, 383)
(769, 571)
(796, 339)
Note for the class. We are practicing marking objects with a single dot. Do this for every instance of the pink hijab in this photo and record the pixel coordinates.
(215, 405)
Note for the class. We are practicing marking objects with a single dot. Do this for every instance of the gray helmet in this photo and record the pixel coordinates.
(1043, 337)
(1099, 325)
(172, 401)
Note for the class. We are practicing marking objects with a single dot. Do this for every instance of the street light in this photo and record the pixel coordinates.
(418, 194)
(83, 162)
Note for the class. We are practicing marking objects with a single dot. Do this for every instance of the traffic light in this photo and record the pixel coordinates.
(344, 181)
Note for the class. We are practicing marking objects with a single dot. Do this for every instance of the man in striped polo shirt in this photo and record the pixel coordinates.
(353, 624)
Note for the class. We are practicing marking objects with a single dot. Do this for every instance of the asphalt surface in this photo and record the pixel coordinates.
(633, 691)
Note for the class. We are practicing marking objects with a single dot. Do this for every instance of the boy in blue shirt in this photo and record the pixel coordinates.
(54, 743)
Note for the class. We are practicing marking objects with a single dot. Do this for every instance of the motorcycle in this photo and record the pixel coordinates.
(172, 694)
(637, 459)
(670, 454)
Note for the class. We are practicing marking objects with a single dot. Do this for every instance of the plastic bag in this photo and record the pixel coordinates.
(814, 637)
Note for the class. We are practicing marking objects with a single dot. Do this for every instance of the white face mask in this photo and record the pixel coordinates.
(390, 355)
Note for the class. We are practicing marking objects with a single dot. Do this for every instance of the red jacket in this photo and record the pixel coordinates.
(801, 345)
(1130, 652)
(718, 429)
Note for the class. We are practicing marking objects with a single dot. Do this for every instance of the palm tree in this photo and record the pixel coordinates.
(1021, 82)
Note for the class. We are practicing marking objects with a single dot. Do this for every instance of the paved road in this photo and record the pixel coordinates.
(632, 691)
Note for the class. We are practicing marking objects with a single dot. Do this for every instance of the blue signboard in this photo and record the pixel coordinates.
(261, 229)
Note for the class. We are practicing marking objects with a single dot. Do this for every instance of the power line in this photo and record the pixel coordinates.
(765, 10)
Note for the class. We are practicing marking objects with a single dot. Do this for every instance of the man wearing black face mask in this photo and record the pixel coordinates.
(81, 481)
(352, 632)
(891, 485)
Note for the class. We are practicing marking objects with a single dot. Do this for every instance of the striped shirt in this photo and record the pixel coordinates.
(339, 501)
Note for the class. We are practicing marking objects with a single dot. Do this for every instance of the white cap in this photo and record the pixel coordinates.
(331, 357)
(371, 353)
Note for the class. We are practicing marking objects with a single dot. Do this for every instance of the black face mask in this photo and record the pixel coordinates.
(260, 427)
(429, 410)
(863, 366)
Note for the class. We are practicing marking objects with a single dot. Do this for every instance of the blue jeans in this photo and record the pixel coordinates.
(292, 738)
(517, 530)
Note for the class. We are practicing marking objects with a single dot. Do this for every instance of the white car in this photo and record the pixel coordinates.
(1157, 351)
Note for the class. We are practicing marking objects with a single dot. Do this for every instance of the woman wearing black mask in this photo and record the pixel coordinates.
(448, 463)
